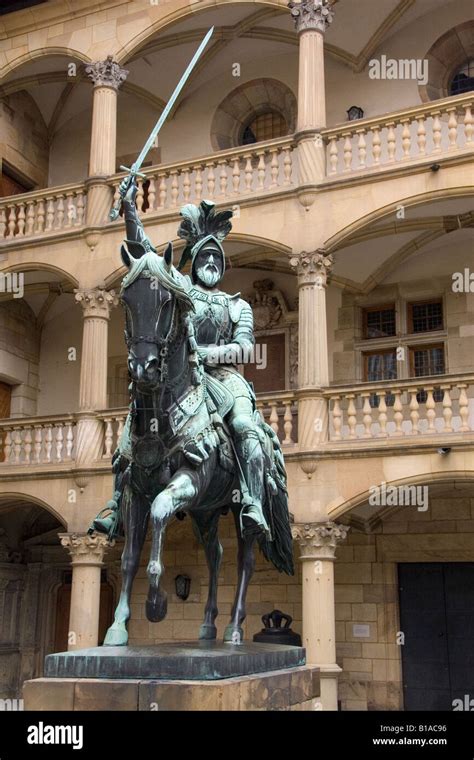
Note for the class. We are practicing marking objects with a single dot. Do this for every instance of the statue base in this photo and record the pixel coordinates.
(177, 676)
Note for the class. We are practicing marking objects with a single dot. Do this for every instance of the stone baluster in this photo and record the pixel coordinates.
(398, 413)
(452, 128)
(261, 171)
(49, 213)
(367, 416)
(21, 219)
(447, 409)
(391, 141)
(69, 439)
(120, 425)
(288, 424)
(3, 222)
(186, 184)
(414, 413)
(347, 151)
(436, 132)
(7, 445)
(248, 173)
(17, 445)
(38, 444)
(430, 411)
(337, 418)
(48, 442)
(287, 166)
(274, 167)
(421, 135)
(468, 125)
(236, 175)
(174, 188)
(70, 210)
(28, 439)
(163, 190)
(59, 441)
(109, 437)
(59, 212)
(382, 415)
(40, 217)
(362, 147)
(80, 208)
(376, 145)
(12, 222)
(198, 183)
(463, 408)
(274, 417)
(211, 180)
(140, 195)
(406, 138)
(351, 415)
(30, 218)
(151, 195)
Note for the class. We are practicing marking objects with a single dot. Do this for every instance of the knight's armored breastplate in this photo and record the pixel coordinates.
(212, 322)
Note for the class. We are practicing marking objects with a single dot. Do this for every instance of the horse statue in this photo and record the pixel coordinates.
(176, 456)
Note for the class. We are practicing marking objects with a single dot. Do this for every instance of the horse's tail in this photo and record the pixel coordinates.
(278, 551)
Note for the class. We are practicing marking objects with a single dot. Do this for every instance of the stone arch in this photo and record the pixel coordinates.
(342, 236)
(449, 52)
(44, 52)
(183, 11)
(27, 499)
(247, 101)
(422, 478)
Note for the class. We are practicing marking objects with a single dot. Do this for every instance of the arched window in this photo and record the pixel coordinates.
(266, 126)
(463, 80)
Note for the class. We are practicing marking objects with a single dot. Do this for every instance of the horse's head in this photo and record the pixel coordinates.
(153, 298)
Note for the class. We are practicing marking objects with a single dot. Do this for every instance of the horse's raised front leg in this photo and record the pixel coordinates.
(206, 525)
(245, 565)
(135, 510)
(180, 494)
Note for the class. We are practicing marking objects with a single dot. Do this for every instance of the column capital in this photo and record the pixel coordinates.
(312, 14)
(106, 73)
(313, 268)
(85, 549)
(318, 540)
(96, 302)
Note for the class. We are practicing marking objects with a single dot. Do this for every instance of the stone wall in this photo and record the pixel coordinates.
(19, 355)
(367, 593)
(24, 137)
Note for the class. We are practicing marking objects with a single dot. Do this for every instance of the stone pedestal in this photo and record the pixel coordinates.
(177, 676)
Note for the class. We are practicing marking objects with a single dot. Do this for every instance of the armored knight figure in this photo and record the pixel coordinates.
(223, 326)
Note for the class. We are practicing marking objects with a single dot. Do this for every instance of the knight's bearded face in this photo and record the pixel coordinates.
(208, 267)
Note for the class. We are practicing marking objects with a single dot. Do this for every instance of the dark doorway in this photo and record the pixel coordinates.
(437, 618)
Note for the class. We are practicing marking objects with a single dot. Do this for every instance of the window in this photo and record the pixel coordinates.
(266, 126)
(424, 361)
(463, 80)
(425, 316)
(427, 360)
(11, 183)
(379, 322)
(380, 365)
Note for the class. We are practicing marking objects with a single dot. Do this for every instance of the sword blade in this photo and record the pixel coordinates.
(149, 143)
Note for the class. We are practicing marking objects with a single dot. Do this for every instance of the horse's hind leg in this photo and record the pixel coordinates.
(135, 520)
(205, 525)
(245, 565)
(179, 494)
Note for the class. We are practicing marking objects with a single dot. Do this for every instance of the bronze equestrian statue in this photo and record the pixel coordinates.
(193, 442)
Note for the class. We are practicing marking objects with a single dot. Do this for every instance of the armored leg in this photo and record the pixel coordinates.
(252, 468)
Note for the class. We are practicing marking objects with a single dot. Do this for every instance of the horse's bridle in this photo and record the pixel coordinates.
(163, 343)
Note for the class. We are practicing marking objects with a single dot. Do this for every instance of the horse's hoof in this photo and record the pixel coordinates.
(116, 636)
(233, 635)
(207, 632)
(156, 605)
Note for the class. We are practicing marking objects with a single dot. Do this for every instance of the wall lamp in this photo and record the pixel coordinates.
(182, 585)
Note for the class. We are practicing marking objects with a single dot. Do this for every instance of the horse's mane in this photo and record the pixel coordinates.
(155, 265)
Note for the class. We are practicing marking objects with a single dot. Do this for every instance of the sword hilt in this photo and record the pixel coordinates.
(132, 173)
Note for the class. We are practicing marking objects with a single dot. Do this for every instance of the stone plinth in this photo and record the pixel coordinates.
(177, 676)
(193, 661)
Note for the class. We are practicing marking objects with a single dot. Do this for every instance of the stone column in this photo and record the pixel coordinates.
(87, 553)
(317, 544)
(312, 270)
(96, 305)
(312, 18)
(107, 77)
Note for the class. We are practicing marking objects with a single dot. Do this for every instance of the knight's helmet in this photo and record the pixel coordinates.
(203, 228)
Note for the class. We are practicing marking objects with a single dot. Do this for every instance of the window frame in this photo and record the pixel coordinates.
(424, 347)
(411, 304)
(380, 307)
(378, 351)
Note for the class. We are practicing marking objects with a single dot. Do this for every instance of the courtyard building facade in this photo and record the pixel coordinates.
(342, 135)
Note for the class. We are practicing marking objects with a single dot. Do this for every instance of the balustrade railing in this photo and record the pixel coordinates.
(37, 440)
(442, 405)
(224, 176)
(439, 128)
(53, 209)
